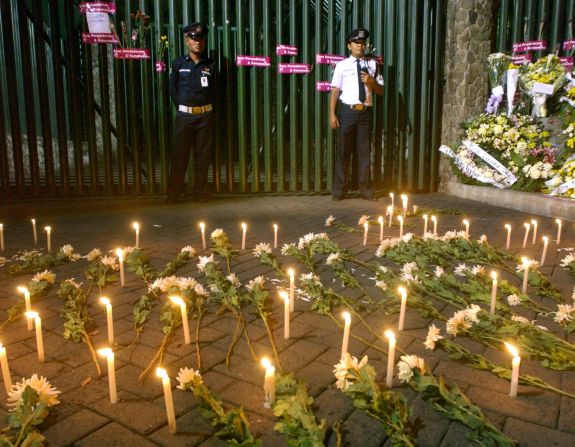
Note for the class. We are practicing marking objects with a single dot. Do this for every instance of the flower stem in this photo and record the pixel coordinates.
(158, 357)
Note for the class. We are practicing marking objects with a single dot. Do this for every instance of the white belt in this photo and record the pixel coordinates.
(195, 110)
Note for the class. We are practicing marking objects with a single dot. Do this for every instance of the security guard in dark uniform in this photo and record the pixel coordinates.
(354, 80)
(193, 89)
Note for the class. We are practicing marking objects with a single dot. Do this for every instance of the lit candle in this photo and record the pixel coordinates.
(5, 370)
(120, 254)
(39, 340)
(466, 223)
(346, 328)
(284, 296)
(109, 318)
(365, 231)
(403, 294)
(275, 235)
(493, 292)
(527, 226)
(48, 238)
(545, 243)
(400, 219)
(109, 354)
(525, 274)
(534, 223)
(515, 372)
(390, 358)
(34, 231)
(390, 213)
(244, 230)
(28, 304)
(425, 217)
(291, 274)
(380, 220)
(507, 245)
(559, 225)
(269, 383)
(434, 220)
(161, 372)
(136, 227)
(392, 196)
(1, 237)
(203, 231)
(180, 302)
(404, 203)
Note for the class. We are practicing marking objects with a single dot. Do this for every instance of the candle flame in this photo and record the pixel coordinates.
(365, 225)
(465, 222)
(558, 221)
(512, 349)
(161, 372)
(265, 362)
(525, 260)
(31, 314)
(120, 253)
(48, 229)
(400, 218)
(346, 316)
(136, 226)
(527, 225)
(380, 219)
(275, 226)
(202, 226)
(105, 352)
(545, 239)
(534, 222)
(494, 275)
(33, 221)
(508, 226)
(291, 272)
(389, 209)
(1, 347)
(177, 300)
(22, 289)
(434, 218)
(284, 295)
(391, 195)
(425, 216)
(402, 291)
(244, 226)
(389, 335)
(105, 300)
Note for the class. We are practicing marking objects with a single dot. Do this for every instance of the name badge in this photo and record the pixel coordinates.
(204, 81)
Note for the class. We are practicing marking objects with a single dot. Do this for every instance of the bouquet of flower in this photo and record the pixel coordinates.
(497, 64)
(541, 80)
(162, 47)
(512, 80)
(563, 182)
(137, 39)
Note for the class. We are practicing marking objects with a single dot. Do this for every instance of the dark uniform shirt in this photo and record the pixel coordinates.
(193, 84)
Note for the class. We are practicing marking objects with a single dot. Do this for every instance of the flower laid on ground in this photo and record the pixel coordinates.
(406, 366)
(513, 300)
(306, 240)
(460, 269)
(478, 270)
(565, 313)
(342, 369)
(189, 250)
(204, 260)
(233, 279)
(381, 285)
(217, 233)
(187, 377)
(94, 254)
(462, 319)
(433, 335)
(570, 258)
(257, 282)
(110, 262)
(333, 258)
(73, 283)
(363, 219)
(439, 271)
(46, 275)
(533, 265)
(329, 221)
(262, 248)
(47, 394)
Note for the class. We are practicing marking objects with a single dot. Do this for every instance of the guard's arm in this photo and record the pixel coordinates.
(334, 97)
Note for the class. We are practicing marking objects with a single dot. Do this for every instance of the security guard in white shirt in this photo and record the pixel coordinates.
(354, 81)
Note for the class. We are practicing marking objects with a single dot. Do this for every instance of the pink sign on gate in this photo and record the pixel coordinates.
(107, 7)
(328, 58)
(99, 38)
(567, 62)
(323, 86)
(131, 53)
(293, 68)
(252, 61)
(568, 44)
(160, 66)
(521, 59)
(533, 45)
(286, 50)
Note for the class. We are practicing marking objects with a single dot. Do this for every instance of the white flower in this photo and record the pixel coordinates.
(460, 269)
(199, 289)
(533, 264)
(564, 313)
(341, 370)
(407, 364)
(68, 250)
(363, 219)
(386, 245)
(471, 313)
(482, 239)
(567, 260)
(513, 300)
(205, 260)
(329, 221)
(306, 240)
(407, 237)
(287, 248)
(262, 248)
(187, 376)
(478, 270)
(438, 272)
(305, 277)
(233, 279)
(218, 232)
(46, 392)
(383, 268)
(46, 275)
(127, 250)
(110, 261)
(187, 283)
(333, 258)
(188, 249)
(72, 282)
(168, 282)
(432, 337)
(457, 323)
(381, 285)
(258, 281)
(520, 319)
(94, 254)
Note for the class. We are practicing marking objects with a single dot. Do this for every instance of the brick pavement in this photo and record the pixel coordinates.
(86, 418)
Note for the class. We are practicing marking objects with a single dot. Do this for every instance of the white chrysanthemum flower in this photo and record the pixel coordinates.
(72, 282)
(205, 260)
(187, 376)
(513, 300)
(409, 267)
(433, 335)
(190, 250)
(439, 271)
(128, 249)
(363, 219)
(218, 232)
(407, 364)
(457, 323)
(46, 392)
(333, 258)
(460, 269)
(258, 281)
(341, 370)
(233, 279)
(471, 313)
(383, 268)
(306, 240)
(169, 282)
(478, 270)
(199, 289)
(46, 275)
(533, 265)
(564, 313)
(381, 285)
(567, 260)
(287, 248)
(329, 221)
(187, 283)
(68, 250)
(110, 262)
(94, 254)
(430, 236)
(482, 239)
(407, 237)
(520, 319)
(305, 277)
(385, 245)
(214, 288)
(155, 284)
(262, 248)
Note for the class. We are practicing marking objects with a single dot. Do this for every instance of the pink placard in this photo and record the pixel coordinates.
(99, 38)
(160, 66)
(323, 86)
(107, 7)
(533, 45)
(286, 50)
(521, 59)
(567, 62)
(328, 58)
(568, 44)
(252, 61)
(131, 53)
(293, 68)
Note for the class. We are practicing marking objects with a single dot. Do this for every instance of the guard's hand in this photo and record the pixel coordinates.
(366, 78)
(333, 121)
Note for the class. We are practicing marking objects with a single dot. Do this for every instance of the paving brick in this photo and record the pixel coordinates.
(534, 435)
(116, 435)
(75, 427)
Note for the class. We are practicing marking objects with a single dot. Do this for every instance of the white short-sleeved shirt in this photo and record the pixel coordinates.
(345, 79)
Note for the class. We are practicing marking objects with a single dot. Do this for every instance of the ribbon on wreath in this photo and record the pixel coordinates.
(508, 176)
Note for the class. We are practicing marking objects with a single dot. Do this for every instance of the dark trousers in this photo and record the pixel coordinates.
(193, 133)
(354, 134)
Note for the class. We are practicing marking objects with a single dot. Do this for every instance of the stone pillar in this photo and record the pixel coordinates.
(470, 25)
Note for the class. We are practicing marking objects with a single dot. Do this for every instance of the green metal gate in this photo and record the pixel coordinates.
(75, 121)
